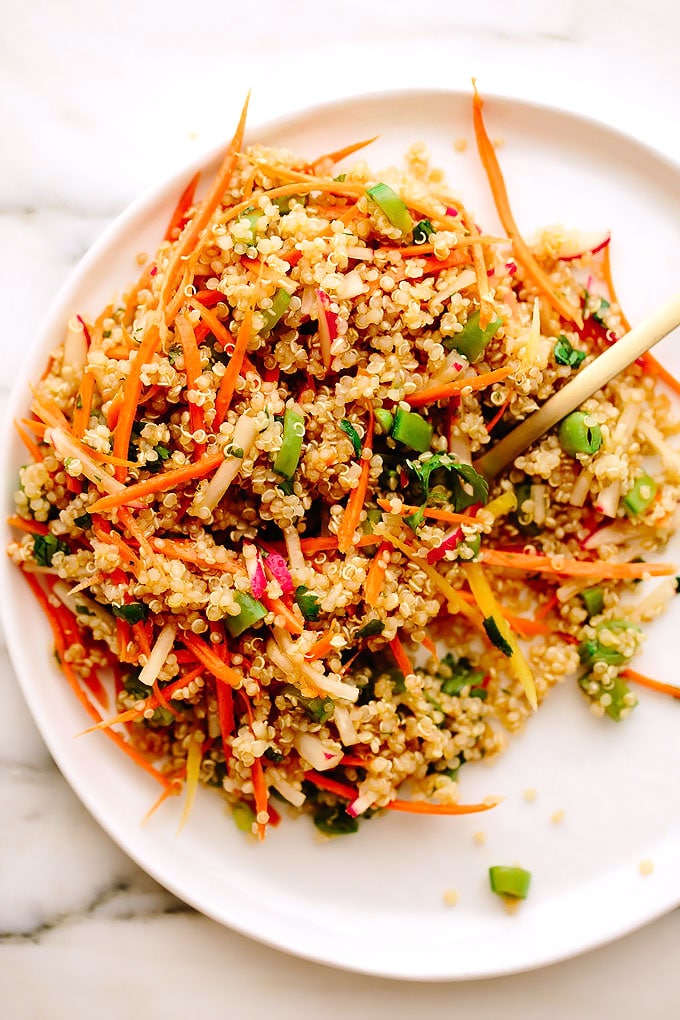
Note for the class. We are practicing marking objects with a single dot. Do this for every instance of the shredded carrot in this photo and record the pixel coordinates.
(323, 782)
(279, 608)
(400, 656)
(227, 386)
(355, 503)
(114, 410)
(161, 482)
(189, 236)
(328, 543)
(491, 425)
(260, 795)
(654, 685)
(339, 154)
(656, 368)
(375, 578)
(123, 635)
(193, 369)
(456, 258)
(560, 565)
(430, 646)
(83, 406)
(436, 513)
(185, 201)
(486, 308)
(479, 382)
(185, 550)
(30, 527)
(29, 443)
(108, 535)
(216, 325)
(132, 390)
(425, 807)
(522, 251)
(208, 658)
(321, 648)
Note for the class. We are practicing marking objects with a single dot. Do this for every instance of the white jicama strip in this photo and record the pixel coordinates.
(345, 727)
(75, 345)
(609, 499)
(94, 609)
(571, 588)
(533, 336)
(360, 254)
(538, 495)
(625, 426)
(459, 447)
(463, 280)
(670, 457)
(656, 601)
(361, 803)
(290, 661)
(313, 750)
(579, 493)
(244, 437)
(294, 549)
(350, 286)
(66, 448)
(455, 364)
(613, 534)
(158, 655)
(288, 792)
(334, 688)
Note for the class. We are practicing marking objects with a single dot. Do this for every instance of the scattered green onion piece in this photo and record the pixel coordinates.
(577, 437)
(412, 430)
(593, 600)
(592, 651)
(383, 419)
(243, 815)
(318, 709)
(251, 612)
(495, 637)
(620, 700)
(278, 307)
(566, 354)
(422, 232)
(525, 524)
(288, 457)
(347, 427)
(250, 216)
(474, 544)
(373, 517)
(512, 882)
(392, 205)
(641, 496)
(472, 339)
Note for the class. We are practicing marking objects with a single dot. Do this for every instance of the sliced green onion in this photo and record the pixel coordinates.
(577, 437)
(383, 419)
(278, 307)
(347, 427)
(288, 457)
(593, 600)
(512, 882)
(641, 496)
(392, 205)
(84, 521)
(472, 339)
(318, 709)
(251, 612)
(412, 430)
(250, 216)
(616, 698)
(422, 232)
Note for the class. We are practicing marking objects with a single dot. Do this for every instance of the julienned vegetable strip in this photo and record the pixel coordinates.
(184, 204)
(162, 482)
(522, 252)
(131, 393)
(233, 370)
(560, 565)
(654, 685)
(431, 394)
(81, 415)
(355, 503)
(434, 513)
(414, 807)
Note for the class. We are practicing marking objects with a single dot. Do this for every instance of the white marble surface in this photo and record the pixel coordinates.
(99, 101)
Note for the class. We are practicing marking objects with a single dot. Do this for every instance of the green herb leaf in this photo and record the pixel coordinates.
(422, 231)
(457, 674)
(44, 548)
(565, 354)
(309, 604)
(84, 521)
(333, 820)
(371, 628)
(495, 636)
(467, 486)
(131, 612)
(347, 427)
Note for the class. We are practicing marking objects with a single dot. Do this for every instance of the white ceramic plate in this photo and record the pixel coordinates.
(374, 902)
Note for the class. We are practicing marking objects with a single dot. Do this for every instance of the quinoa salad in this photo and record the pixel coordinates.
(250, 509)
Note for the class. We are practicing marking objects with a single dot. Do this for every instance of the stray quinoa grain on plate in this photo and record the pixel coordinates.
(250, 510)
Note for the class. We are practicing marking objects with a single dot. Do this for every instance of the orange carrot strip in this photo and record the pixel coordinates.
(656, 368)
(227, 386)
(323, 782)
(208, 658)
(114, 410)
(375, 578)
(185, 550)
(654, 685)
(560, 565)
(81, 414)
(430, 646)
(486, 309)
(456, 258)
(490, 425)
(132, 390)
(320, 648)
(260, 795)
(522, 251)
(327, 543)
(399, 653)
(608, 279)
(279, 608)
(128, 521)
(159, 483)
(355, 503)
(343, 153)
(30, 527)
(29, 443)
(185, 201)
(112, 537)
(452, 389)
(198, 222)
(424, 807)
(434, 512)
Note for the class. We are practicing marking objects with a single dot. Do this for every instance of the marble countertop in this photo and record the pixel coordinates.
(99, 102)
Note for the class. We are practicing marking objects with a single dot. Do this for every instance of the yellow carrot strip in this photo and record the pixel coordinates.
(132, 390)
(375, 579)
(194, 759)
(435, 513)
(426, 807)
(455, 602)
(159, 483)
(491, 610)
(355, 503)
(654, 685)
(560, 565)
(81, 414)
(198, 222)
(522, 251)
(479, 382)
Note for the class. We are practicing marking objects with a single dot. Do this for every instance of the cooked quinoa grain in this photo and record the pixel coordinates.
(251, 513)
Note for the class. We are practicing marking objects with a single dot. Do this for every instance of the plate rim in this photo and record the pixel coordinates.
(156, 193)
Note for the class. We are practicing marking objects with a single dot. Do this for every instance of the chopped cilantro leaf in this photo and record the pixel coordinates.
(371, 628)
(422, 231)
(44, 548)
(565, 354)
(84, 521)
(333, 820)
(131, 612)
(347, 427)
(310, 607)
